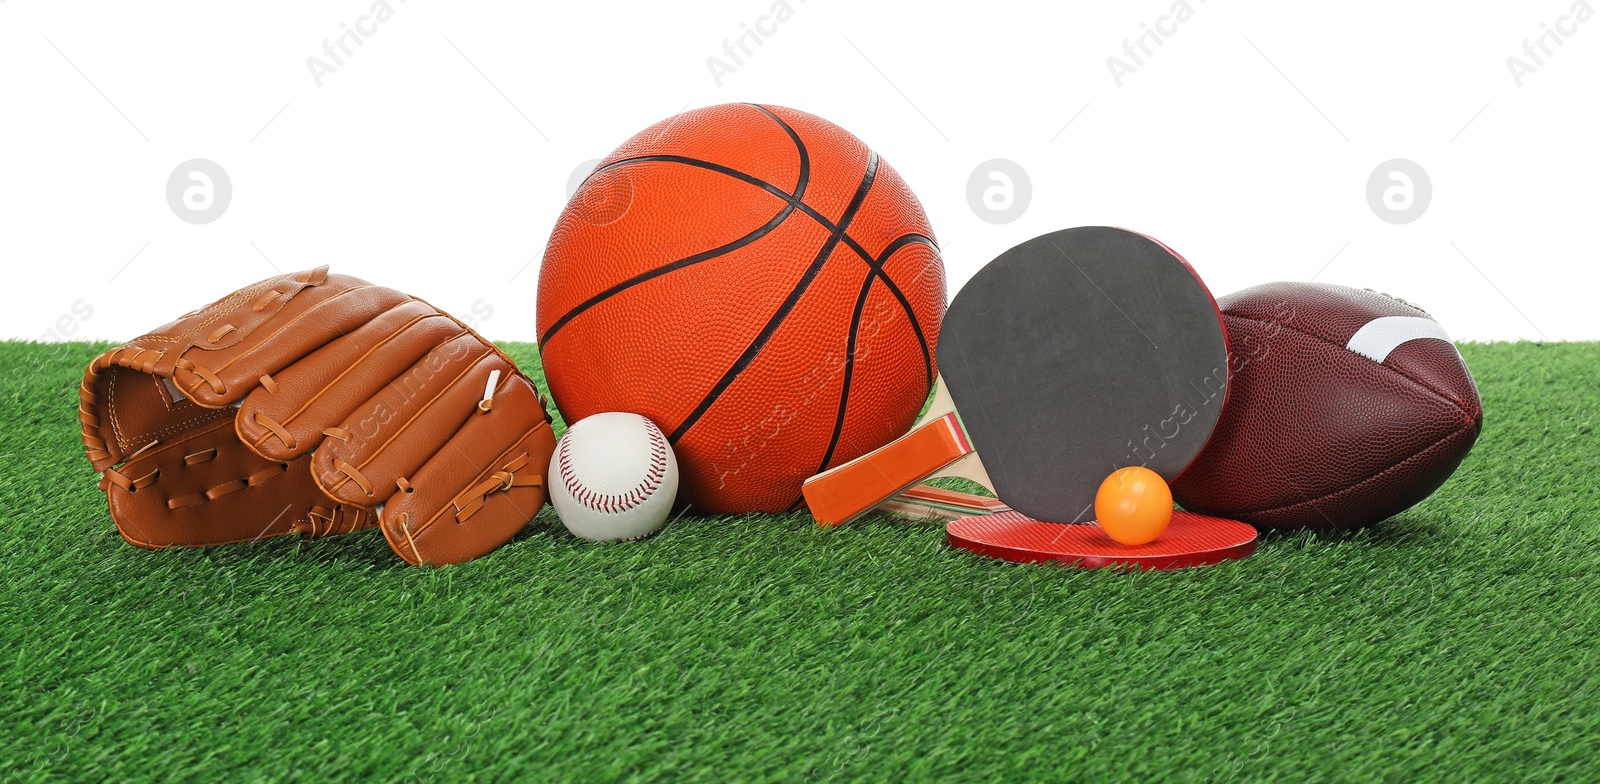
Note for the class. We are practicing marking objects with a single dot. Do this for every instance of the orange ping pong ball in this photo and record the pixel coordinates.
(1134, 505)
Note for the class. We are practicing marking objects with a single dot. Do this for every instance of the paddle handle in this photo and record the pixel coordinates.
(847, 491)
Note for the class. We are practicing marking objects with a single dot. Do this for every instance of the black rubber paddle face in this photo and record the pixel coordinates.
(1078, 353)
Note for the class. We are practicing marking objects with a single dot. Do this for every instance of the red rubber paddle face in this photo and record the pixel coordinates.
(1190, 540)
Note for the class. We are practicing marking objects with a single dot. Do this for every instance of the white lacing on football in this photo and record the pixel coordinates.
(622, 502)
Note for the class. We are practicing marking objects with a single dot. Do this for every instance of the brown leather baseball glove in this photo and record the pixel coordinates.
(317, 404)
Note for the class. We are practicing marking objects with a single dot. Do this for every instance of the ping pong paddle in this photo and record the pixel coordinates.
(1065, 358)
(1190, 540)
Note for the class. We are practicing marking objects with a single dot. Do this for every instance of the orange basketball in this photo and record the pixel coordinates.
(755, 281)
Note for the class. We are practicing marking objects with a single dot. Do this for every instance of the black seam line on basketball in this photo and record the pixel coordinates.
(877, 269)
(916, 328)
(799, 146)
(877, 266)
(849, 371)
(760, 342)
(800, 149)
(850, 348)
(657, 272)
(861, 252)
(792, 200)
(809, 211)
(793, 203)
(801, 180)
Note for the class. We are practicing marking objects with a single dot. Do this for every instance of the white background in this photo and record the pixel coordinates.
(436, 158)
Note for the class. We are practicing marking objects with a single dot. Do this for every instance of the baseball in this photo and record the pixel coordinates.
(613, 476)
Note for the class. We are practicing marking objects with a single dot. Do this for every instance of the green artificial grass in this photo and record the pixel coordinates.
(1454, 642)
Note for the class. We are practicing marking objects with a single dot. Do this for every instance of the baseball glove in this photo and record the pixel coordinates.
(317, 404)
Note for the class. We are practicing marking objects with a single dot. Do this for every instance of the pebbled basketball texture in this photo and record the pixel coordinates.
(1346, 407)
(755, 281)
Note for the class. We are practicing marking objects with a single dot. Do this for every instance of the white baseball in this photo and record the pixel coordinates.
(613, 476)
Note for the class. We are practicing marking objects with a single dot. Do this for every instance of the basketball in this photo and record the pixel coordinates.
(758, 283)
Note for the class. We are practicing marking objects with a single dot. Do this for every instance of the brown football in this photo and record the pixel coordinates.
(1346, 407)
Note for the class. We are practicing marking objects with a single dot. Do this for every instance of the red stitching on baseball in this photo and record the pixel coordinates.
(613, 504)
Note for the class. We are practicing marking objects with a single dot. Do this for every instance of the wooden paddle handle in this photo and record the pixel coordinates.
(922, 502)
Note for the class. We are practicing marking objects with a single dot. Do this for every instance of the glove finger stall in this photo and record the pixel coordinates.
(481, 488)
(286, 418)
(390, 436)
(223, 356)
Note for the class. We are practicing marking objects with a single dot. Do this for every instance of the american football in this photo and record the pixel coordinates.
(1346, 407)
